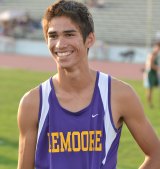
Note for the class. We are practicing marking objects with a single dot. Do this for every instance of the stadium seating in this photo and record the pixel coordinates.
(118, 22)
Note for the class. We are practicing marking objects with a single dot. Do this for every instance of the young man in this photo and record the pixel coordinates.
(151, 78)
(74, 119)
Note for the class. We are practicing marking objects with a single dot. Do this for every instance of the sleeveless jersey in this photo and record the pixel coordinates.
(86, 139)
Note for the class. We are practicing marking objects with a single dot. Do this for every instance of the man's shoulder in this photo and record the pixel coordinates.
(30, 98)
(121, 88)
(117, 84)
(123, 97)
(29, 108)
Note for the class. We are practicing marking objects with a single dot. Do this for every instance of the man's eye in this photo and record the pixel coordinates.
(69, 35)
(53, 36)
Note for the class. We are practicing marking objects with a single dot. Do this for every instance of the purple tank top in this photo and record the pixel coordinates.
(86, 139)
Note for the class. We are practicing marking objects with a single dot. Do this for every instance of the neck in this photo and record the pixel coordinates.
(75, 80)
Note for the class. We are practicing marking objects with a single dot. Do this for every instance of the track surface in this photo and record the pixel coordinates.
(47, 64)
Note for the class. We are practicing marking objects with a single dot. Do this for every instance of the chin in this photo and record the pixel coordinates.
(64, 66)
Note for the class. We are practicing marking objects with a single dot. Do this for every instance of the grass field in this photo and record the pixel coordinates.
(14, 83)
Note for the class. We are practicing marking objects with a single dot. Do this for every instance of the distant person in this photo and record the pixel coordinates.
(74, 119)
(151, 77)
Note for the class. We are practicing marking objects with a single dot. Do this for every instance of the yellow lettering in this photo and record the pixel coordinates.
(91, 136)
(84, 136)
(49, 143)
(98, 144)
(75, 141)
(55, 147)
(74, 135)
(65, 144)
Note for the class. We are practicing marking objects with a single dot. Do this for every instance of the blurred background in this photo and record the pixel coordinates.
(125, 31)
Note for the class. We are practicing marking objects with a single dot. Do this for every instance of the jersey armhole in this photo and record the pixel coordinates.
(110, 107)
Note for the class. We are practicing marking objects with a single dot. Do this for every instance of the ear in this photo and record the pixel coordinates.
(90, 40)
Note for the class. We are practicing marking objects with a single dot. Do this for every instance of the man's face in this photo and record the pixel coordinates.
(66, 43)
(157, 48)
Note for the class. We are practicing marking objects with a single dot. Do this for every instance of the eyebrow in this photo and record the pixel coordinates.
(67, 31)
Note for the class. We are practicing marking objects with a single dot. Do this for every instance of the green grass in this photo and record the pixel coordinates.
(130, 156)
(14, 83)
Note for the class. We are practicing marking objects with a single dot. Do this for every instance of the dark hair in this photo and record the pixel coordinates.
(76, 11)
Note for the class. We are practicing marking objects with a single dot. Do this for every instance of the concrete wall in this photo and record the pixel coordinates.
(98, 51)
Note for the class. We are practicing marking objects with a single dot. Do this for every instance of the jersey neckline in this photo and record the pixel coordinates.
(83, 110)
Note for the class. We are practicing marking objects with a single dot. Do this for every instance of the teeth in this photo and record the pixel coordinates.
(63, 53)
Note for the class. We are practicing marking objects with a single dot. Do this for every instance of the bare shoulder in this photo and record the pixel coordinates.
(29, 108)
(122, 90)
(124, 98)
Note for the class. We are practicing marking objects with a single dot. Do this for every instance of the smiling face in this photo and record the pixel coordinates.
(65, 41)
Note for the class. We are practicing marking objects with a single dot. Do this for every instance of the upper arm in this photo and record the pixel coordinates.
(27, 123)
(138, 124)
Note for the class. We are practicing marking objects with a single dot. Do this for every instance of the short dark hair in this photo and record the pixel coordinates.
(76, 11)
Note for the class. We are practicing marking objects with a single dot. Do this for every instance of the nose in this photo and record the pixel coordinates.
(61, 43)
